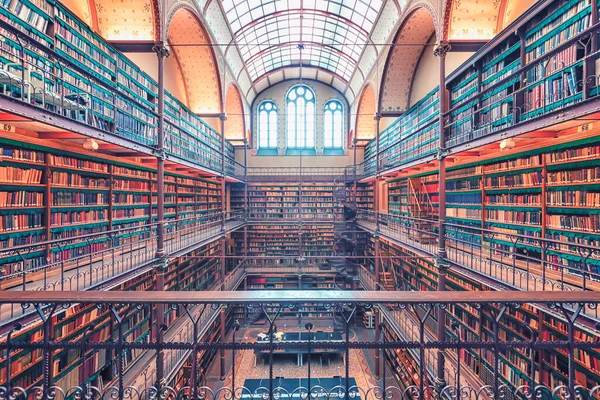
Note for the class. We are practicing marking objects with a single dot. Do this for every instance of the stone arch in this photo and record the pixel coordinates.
(191, 45)
(408, 45)
(365, 114)
(235, 127)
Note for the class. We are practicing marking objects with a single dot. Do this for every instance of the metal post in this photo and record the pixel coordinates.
(376, 183)
(222, 350)
(245, 180)
(308, 327)
(441, 49)
(223, 118)
(377, 339)
(162, 52)
(355, 186)
(377, 260)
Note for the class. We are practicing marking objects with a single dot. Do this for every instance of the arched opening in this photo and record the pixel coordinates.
(191, 46)
(365, 118)
(234, 108)
(409, 45)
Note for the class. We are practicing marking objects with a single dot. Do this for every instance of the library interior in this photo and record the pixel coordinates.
(294, 199)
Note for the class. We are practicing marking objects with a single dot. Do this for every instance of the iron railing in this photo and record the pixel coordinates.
(294, 174)
(517, 261)
(395, 307)
(43, 78)
(105, 256)
(512, 89)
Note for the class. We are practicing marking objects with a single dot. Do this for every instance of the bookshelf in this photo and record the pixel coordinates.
(282, 241)
(285, 201)
(198, 273)
(48, 193)
(364, 195)
(96, 84)
(477, 324)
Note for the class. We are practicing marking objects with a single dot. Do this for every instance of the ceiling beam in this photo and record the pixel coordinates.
(467, 46)
(133, 46)
(59, 135)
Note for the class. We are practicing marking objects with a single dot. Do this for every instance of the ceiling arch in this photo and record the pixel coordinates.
(234, 108)
(408, 45)
(365, 115)
(190, 44)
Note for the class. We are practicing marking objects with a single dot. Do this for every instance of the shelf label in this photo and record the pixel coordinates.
(8, 128)
(585, 127)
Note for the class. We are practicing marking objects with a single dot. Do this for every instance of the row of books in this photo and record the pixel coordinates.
(518, 217)
(21, 198)
(16, 222)
(558, 62)
(463, 213)
(578, 153)
(587, 223)
(20, 175)
(65, 161)
(511, 199)
(579, 198)
(516, 180)
(69, 179)
(585, 175)
(77, 217)
(21, 154)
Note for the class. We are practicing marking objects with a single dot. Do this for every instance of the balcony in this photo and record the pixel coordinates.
(402, 312)
(123, 254)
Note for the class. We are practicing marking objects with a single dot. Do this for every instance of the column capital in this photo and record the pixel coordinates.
(223, 117)
(161, 264)
(377, 116)
(441, 153)
(442, 264)
(441, 48)
(161, 50)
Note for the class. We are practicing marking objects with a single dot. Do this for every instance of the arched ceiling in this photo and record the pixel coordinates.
(234, 124)
(365, 119)
(409, 44)
(190, 44)
(481, 20)
(333, 33)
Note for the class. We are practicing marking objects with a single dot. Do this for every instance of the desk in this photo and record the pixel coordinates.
(296, 337)
(285, 387)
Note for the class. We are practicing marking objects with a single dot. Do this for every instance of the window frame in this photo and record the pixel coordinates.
(296, 122)
(273, 113)
(332, 145)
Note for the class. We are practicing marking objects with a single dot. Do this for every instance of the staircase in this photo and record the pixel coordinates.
(388, 276)
(421, 208)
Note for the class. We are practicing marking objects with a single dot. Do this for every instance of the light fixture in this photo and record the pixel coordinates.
(91, 145)
(507, 144)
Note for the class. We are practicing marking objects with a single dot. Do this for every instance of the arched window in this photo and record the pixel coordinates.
(267, 125)
(333, 129)
(301, 118)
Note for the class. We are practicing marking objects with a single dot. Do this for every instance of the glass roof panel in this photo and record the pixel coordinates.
(334, 33)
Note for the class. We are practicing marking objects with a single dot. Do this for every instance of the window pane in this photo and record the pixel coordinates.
(310, 125)
(338, 129)
(267, 125)
(291, 125)
(273, 129)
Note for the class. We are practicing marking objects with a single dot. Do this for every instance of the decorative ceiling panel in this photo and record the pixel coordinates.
(234, 124)
(474, 19)
(125, 19)
(365, 119)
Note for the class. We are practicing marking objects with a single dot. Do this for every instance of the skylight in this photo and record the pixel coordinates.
(334, 33)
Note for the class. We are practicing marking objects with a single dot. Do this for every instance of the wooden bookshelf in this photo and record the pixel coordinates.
(49, 194)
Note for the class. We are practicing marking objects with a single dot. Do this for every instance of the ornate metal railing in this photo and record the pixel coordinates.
(294, 174)
(106, 255)
(421, 306)
(517, 261)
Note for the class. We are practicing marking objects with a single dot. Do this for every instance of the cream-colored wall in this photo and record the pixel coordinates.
(428, 71)
(173, 80)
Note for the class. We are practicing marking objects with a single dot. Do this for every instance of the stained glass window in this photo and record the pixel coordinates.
(300, 118)
(267, 125)
(333, 129)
